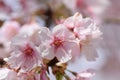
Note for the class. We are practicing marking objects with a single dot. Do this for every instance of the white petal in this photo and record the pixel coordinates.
(12, 75)
(45, 35)
(87, 74)
(62, 55)
(3, 73)
(74, 47)
(49, 53)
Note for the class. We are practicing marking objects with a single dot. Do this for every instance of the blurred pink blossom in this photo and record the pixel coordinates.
(10, 29)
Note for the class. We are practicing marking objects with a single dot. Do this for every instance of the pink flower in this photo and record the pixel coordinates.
(89, 36)
(61, 43)
(87, 32)
(25, 54)
(87, 28)
(10, 29)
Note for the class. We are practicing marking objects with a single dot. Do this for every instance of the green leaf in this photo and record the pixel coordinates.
(59, 76)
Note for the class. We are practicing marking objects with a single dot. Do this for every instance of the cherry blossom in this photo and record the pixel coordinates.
(61, 44)
(36, 52)
(24, 54)
(87, 32)
(10, 29)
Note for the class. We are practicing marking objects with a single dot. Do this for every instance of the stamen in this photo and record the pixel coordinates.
(28, 50)
(57, 42)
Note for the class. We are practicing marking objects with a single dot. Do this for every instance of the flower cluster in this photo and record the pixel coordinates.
(34, 50)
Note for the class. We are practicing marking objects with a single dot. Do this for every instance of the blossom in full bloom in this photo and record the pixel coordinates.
(24, 53)
(37, 52)
(61, 44)
(87, 33)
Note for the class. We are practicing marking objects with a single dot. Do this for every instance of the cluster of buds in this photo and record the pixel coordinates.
(37, 52)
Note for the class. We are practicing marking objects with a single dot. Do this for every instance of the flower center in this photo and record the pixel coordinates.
(28, 50)
(57, 42)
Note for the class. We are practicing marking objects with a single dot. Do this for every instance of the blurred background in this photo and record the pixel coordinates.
(48, 13)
